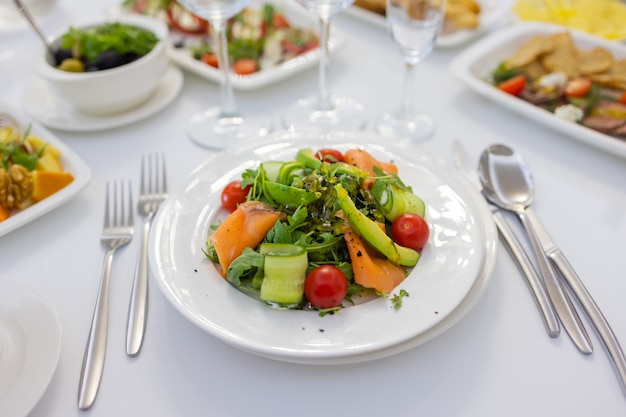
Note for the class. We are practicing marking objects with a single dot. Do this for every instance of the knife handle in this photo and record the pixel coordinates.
(560, 299)
(517, 251)
(601, 326)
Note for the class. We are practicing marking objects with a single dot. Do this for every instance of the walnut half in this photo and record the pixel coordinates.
(16, 187)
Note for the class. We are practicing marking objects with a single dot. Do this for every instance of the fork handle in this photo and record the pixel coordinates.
(138, 306)
(93, 360)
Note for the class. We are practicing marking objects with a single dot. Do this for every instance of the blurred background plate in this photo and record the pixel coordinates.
(30, 335)
(493, 13)
(299, 17)
(70, 161)
(474, 65)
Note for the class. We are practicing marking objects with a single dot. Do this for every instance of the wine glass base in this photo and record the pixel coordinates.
(346, 113)
(211, 129)
(416, 127)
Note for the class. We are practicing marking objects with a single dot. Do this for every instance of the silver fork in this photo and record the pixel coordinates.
(117, 231)
(152, 192)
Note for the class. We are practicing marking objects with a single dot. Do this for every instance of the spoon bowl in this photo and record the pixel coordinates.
(506, 178)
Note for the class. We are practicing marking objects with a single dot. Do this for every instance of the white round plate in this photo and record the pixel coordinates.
(57, 114)
(30, 339)
(445, 284)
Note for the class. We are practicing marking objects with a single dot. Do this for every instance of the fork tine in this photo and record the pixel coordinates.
(142, 180)
(153, 178)
(107, 219)
(129, 207)
(163, 178)
(116, 202)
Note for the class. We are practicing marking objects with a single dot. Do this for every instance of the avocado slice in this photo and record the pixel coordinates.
(306, 157)
(376, 237)
(288, 196)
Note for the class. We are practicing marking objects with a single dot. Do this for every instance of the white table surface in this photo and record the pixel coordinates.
(497, 361)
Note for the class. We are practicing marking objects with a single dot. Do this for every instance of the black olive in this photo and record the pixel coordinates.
(179, 43)
(60, 55)
(130, 57)
(109, 59)
(90, 67)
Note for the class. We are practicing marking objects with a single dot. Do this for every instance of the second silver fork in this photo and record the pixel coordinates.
(152, 192)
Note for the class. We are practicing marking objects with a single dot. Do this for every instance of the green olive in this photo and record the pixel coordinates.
(72, 65)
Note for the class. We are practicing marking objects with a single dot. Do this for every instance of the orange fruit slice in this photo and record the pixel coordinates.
(47, 183)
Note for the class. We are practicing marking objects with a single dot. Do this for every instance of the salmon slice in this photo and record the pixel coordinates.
(245, 227)
(371, 270)
(365, 161)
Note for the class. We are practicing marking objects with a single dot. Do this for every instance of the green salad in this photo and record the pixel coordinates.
(315, 232)
(106, 46)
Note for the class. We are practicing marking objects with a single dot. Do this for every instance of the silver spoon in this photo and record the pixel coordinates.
(21, 7)
(508, 183)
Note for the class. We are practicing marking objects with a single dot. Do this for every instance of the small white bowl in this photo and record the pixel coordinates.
(114, 90)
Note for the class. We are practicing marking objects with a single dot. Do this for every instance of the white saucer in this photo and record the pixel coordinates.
(30, 335)
(52, 112)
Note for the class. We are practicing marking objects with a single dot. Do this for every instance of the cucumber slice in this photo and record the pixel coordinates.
(271, 169)
(284, 273)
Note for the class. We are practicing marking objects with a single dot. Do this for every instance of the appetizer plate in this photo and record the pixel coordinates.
(55, 113)
(474, 65)
(454, 269)
(298, 16)
(493, 13)
(71, 162)
(30, 339)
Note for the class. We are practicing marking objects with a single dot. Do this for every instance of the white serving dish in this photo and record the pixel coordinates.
(474, 65)
(71, 162)
(298, 16)
(493, 13)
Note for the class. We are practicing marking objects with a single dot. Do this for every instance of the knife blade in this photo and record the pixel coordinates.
(593, 312)
(513, 245)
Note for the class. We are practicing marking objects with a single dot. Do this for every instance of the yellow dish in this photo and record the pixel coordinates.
(605, 18)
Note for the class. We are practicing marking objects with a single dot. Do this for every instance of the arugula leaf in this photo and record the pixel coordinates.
(397, 299)
(17, 153)
(244, 266)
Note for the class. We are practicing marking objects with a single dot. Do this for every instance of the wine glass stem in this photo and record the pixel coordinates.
(324, 101)
(409, 86)
(228, 107)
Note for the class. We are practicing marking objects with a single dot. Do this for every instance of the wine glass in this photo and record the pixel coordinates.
(324, 109)
(414, 25)
(219, 127)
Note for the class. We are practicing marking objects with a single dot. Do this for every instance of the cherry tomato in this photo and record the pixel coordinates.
(329, 155)
(245, 66)
(578, 87)
(210, 59)
(410, 230)
(297, 48)
(513, 86)
(325, 286)
(622, 98)
(280, 21)
(184, 22)
(233, 195)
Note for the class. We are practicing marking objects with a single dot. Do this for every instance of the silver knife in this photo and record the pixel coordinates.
(600, 325)
(513, 245)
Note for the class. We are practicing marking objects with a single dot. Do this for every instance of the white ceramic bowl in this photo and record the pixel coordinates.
(113, 90)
